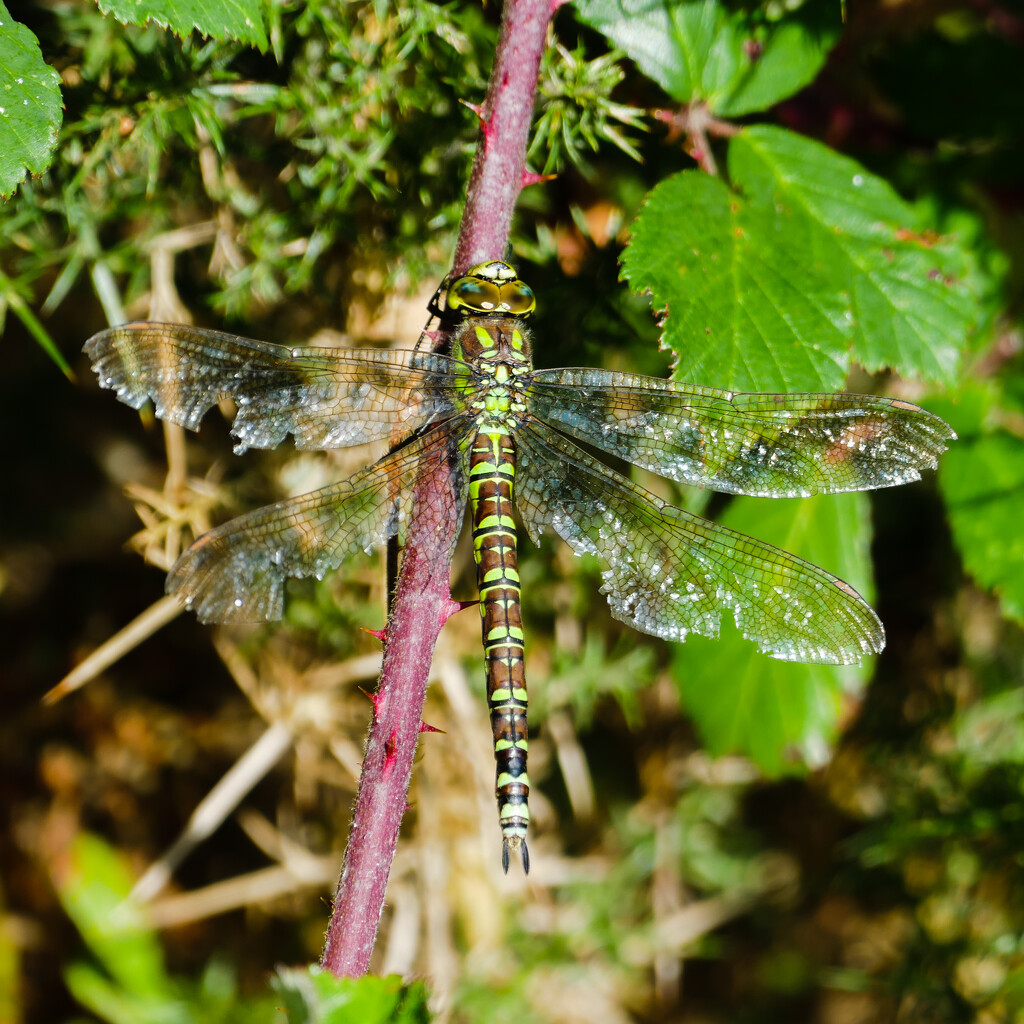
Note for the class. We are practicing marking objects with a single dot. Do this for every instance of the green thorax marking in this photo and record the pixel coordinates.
(499, 352)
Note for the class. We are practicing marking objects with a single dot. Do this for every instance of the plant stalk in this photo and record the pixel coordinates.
(422, 596)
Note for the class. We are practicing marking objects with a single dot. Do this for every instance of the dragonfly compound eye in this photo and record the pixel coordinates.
(491, 288)
(518, 299)
(473, 295)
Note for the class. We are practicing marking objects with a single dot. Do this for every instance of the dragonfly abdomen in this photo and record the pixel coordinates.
(492, 470)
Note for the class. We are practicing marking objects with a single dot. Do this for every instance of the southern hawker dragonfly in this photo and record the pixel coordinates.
(509, 434)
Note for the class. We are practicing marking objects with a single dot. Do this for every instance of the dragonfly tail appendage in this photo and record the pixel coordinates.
(507, 846)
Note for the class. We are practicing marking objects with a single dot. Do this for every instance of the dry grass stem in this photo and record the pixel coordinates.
(696, 920)
(402, 942)
(256, 887)
(211, 811)
(573, 764)
(278, 846)
(155, 617)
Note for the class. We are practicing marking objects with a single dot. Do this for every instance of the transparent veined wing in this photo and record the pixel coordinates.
(236, 573)
(670, 573)
(760, 444)
(325, 397)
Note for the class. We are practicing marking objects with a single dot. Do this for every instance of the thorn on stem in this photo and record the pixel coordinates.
(374, 698)
(485, 125)
(477, 109)
(530, 178)
(380, 634)
(389, 755)
(452, 607)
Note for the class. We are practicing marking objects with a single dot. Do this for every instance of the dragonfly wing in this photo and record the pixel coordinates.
(236, 573)
(762, 444)
(670, 573)
(325, 397)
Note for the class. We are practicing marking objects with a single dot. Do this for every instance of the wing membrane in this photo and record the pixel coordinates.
(670, 573)
(325, 397)
(761, 444)
(236, 573)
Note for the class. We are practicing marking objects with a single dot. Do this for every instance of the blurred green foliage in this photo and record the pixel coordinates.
(127, 982)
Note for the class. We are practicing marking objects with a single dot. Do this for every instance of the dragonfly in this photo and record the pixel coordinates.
(512, 438)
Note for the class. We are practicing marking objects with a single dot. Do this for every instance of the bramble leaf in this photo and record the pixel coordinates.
(699, 51)
(222, 19)
(982, 480)
(808, 264)
(312, 994)
(740, 309)
(30, 105)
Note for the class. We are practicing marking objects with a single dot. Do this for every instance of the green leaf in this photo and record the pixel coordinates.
(30, 105)
(222, 19)
(93, 885)
(807, 264)
(790, 57)
(982, 480)
(910, 307)
(110, 1002)
(741, 311)
(699, 51)
(312, 995)
(780, 714)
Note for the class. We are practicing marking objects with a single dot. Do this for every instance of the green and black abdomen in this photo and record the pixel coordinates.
(492, 471)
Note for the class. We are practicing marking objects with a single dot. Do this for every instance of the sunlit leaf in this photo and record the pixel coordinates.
(808, 264)
(314, 996)
(30, 105)
(780, 714)
(700, 51)
(742, 311)
(222, 19)
(909, 304)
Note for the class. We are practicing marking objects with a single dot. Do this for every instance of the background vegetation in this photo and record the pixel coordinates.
(719, 837)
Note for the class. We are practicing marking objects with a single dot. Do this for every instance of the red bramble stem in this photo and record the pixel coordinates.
(422, 600)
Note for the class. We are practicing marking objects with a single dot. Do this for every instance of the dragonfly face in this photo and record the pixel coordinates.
(509, 434)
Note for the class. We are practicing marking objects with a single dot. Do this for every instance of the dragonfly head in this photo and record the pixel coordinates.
(490, 289)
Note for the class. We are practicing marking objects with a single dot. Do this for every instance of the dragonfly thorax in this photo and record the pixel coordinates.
(498, 353)
(493, 346)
